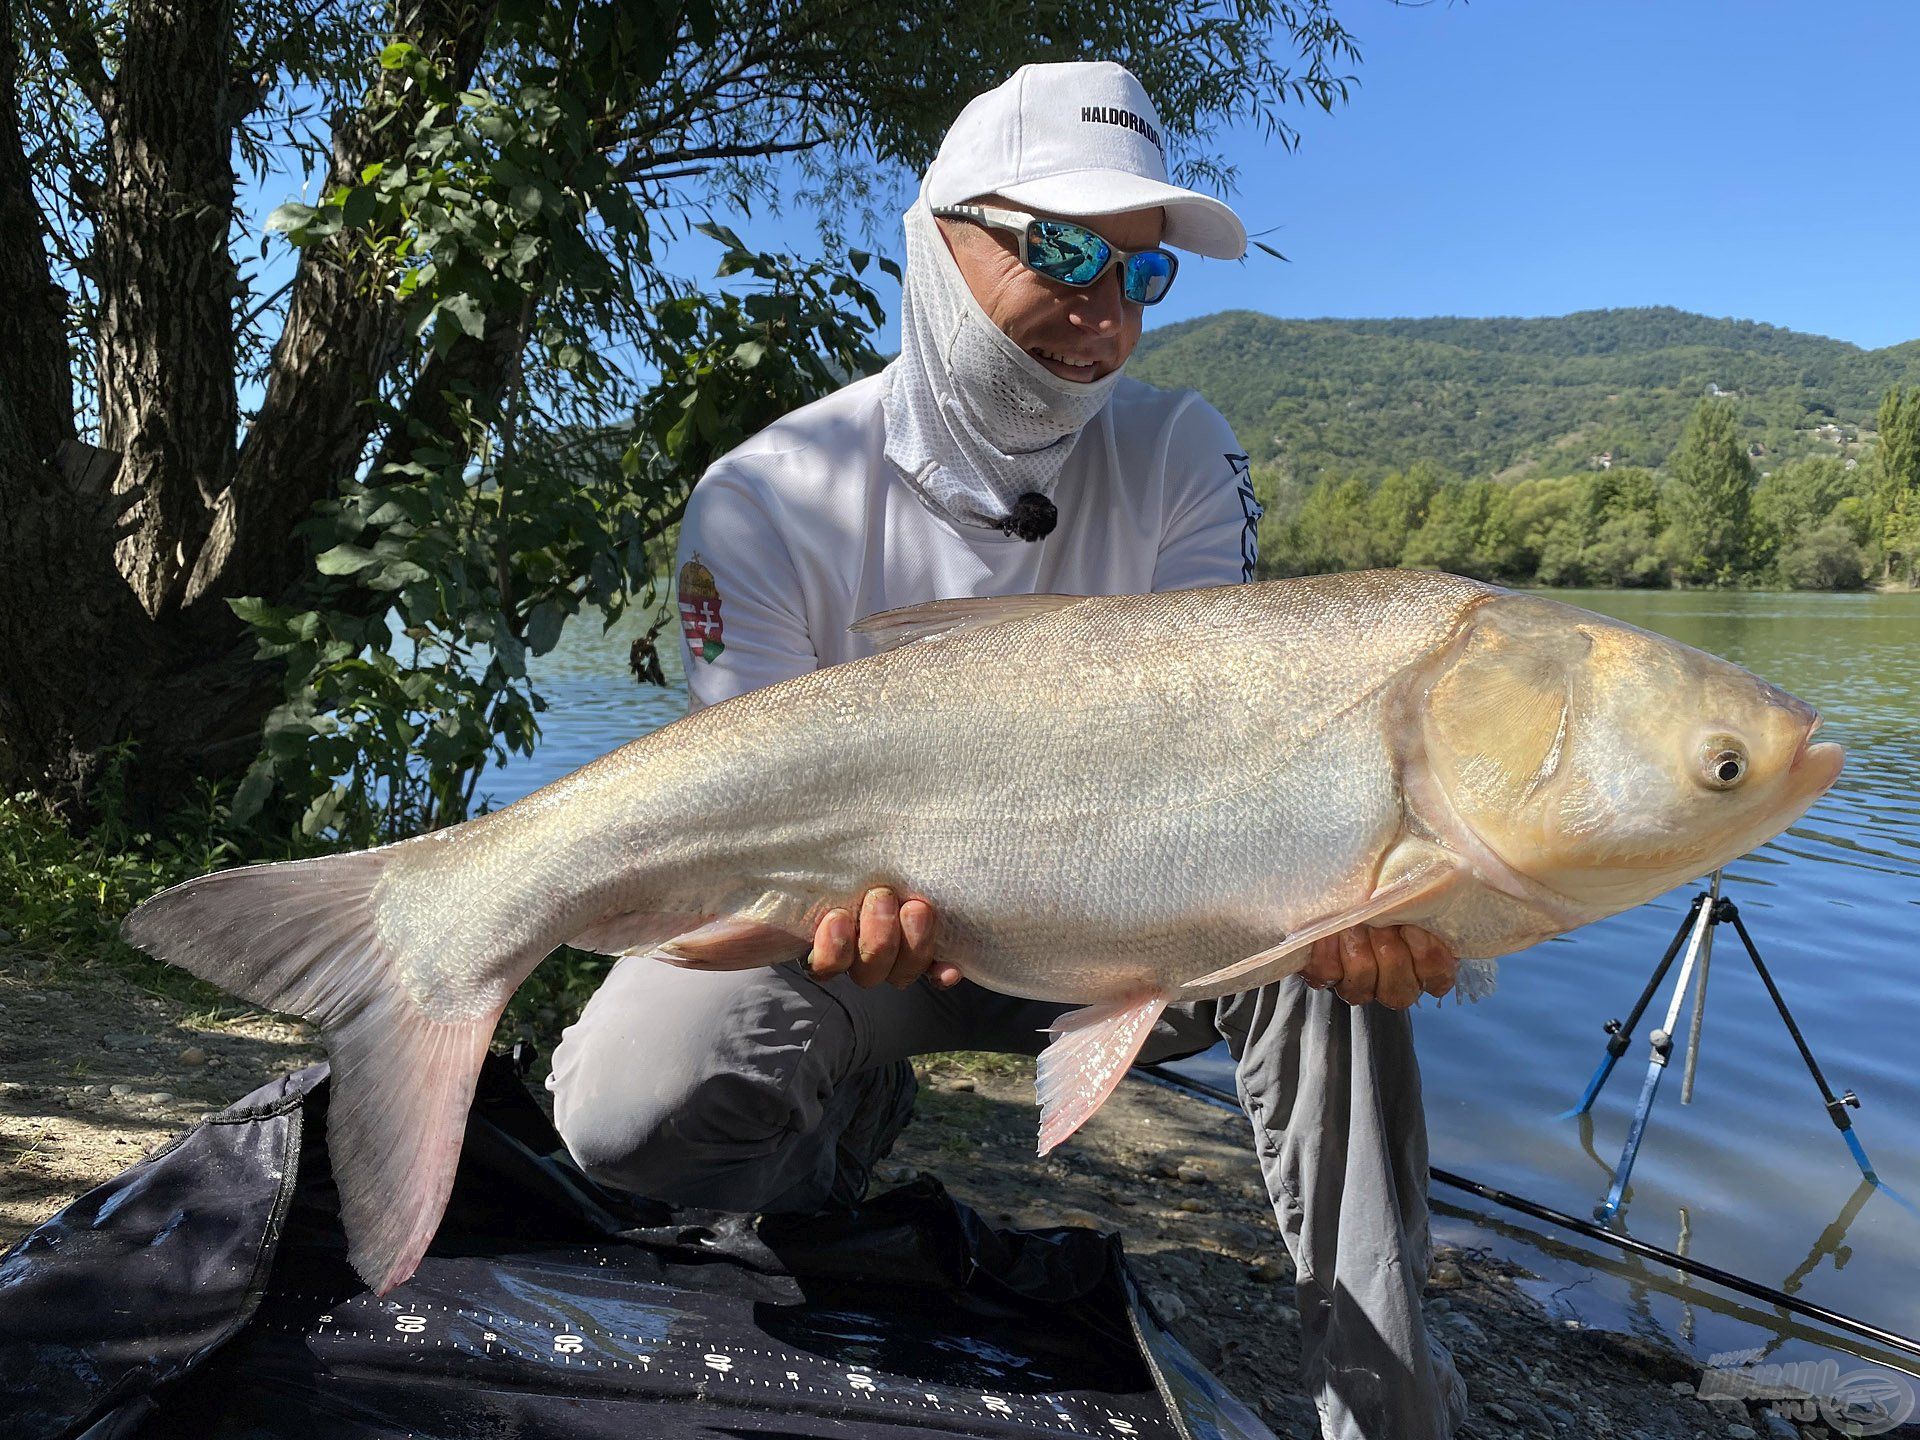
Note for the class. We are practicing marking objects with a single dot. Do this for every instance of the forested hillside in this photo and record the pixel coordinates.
(1510, 397)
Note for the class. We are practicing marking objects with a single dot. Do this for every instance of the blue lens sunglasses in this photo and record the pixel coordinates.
(1074, 255)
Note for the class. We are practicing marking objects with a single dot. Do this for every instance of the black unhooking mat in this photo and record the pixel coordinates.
(205, 1293)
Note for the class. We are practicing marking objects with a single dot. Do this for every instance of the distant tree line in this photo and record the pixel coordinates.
(1516, 398)
(1818, 523)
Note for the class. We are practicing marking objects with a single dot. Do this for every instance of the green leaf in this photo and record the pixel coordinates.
(527, 200)
(395, 573)
(291, 216)
(398, 55)
(468, 313)
(323, 811)
(713, 230)
(251, 609)
(510, 653)
(344, 560)
(252, 792)
(543, 627)
(358, 206)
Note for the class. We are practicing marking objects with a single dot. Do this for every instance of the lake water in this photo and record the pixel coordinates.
(1751, 1176)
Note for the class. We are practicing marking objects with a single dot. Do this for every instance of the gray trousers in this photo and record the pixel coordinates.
(767, 1090)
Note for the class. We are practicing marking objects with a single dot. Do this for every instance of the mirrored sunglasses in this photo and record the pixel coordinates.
(1074, 255)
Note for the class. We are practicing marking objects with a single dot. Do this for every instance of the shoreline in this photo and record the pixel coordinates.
(99, 1072)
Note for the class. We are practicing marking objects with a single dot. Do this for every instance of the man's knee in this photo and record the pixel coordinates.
(691, 1087)
(626, 1127)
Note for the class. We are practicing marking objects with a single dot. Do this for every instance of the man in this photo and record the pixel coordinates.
(1002, 452)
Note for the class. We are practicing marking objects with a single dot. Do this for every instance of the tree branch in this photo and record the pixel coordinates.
(635, 166)
(341, 339)
(82, 50)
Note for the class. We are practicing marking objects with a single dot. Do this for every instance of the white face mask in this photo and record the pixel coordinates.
(973, 421)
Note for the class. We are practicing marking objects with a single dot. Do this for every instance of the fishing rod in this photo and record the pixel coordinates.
(1157, 1075)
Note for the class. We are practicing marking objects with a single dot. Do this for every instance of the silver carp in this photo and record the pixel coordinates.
(1117, 802)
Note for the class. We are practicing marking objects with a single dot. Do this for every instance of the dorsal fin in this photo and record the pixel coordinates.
(890, 629)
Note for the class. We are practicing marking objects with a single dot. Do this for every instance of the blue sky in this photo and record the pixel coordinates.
(1746, 158)
(1531, 157)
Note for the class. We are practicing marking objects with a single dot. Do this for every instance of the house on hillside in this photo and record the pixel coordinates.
(1602, 461)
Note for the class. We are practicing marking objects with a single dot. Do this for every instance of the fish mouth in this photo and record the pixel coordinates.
(1818, 766)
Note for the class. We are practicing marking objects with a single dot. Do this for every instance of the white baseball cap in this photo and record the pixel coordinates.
(1079, 139)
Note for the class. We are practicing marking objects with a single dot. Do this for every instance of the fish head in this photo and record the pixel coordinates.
(1609, 764)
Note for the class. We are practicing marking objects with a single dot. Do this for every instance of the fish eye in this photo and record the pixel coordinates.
(1723, 763)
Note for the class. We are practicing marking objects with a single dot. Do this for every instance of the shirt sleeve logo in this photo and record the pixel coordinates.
(700, 611)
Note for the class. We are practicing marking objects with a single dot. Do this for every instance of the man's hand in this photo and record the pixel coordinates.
(1394, 964)
(889, 941)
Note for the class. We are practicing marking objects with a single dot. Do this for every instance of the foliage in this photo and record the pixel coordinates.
(1898, 497)
(1515, 398)
(1709, 496)
(1808, 525)
(1828, 558)
(63, 896)
(390, 716)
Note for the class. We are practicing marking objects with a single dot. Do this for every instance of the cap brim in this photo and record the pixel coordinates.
(1195, 222)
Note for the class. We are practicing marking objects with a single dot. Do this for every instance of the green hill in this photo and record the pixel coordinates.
(1517, 397)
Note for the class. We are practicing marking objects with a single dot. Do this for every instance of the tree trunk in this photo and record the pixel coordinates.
(167, 286)
(115, 562)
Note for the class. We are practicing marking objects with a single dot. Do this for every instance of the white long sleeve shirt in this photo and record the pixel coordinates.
(807, 527)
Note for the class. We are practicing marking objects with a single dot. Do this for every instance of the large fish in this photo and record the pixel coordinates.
(1117, 802)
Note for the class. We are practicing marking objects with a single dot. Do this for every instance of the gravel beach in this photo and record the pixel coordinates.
(95, 1072)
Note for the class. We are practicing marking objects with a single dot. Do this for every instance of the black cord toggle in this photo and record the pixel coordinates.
(1032, 518)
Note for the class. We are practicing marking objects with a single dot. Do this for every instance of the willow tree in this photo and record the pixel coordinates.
(293, 495)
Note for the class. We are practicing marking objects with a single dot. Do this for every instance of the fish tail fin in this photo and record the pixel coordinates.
(303, 937)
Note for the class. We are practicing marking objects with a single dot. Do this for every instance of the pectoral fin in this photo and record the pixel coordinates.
(1413, 886)
(1091, 1050)
(768, 932)
(635, 932)
(733, 942)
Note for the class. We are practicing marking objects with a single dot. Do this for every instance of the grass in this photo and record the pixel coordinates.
(981, 1064)
(63, 896)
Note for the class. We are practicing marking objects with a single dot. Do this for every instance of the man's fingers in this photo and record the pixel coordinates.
(832, 945)
(1433, 960)
(1397, 986)
(1323, 963)
(878, 940)
(916, 943)
(943, 976)
(1359, 971)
